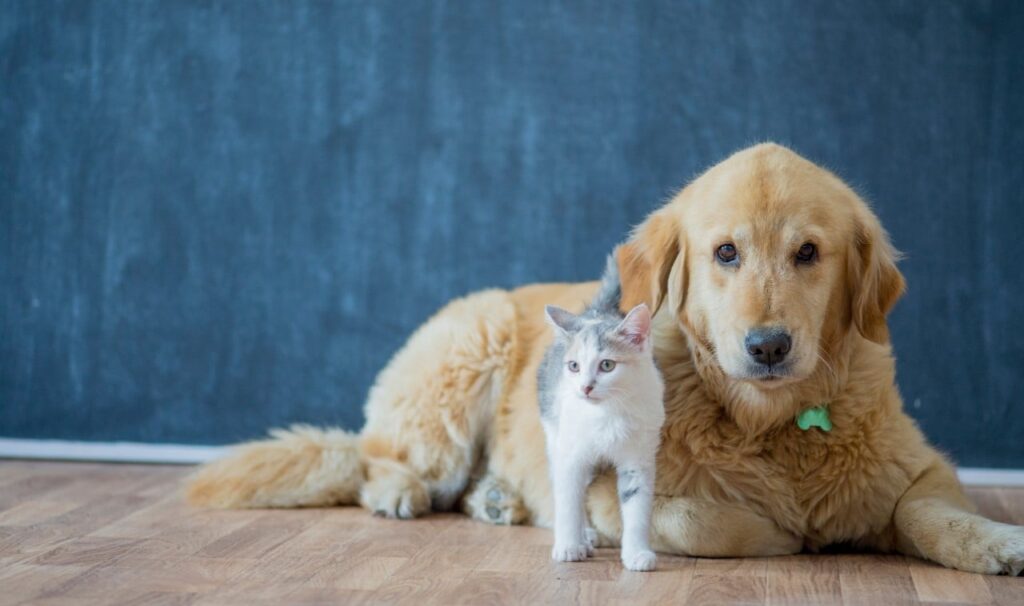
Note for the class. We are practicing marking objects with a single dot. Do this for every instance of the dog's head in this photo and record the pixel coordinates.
(767, 262)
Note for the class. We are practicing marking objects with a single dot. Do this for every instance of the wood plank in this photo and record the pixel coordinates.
(488, 587)
(130, 578)
(937, 584)
(670, 583)
(869, 589)
(86, 551)
(27, 487)
(444, 561)
(1012, 500)
(1006, 590)
(257, 538)
(36, 511)
(733, 567)
(365, 573)
(727, 589)
(24, 582)
(804, 588)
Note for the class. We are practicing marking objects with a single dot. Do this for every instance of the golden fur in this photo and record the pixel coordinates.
(457, 407)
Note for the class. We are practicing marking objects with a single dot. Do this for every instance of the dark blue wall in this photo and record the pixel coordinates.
(217, 217)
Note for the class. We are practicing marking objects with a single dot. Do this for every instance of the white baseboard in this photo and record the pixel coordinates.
(136, 452)
(981, 476)
(120, 452)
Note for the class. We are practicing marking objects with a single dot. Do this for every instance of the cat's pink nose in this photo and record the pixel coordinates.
(587, 389)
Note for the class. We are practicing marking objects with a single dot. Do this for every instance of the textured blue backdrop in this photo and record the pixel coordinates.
(222, 216)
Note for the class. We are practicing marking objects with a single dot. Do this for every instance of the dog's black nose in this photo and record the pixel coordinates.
(768, 345)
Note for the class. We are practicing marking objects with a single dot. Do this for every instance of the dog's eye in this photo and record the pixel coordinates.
(807, 253)
(726, 254)
(574, 366)
(607, 365)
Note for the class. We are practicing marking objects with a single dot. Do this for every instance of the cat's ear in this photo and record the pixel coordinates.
(561, 320)
(636, 326)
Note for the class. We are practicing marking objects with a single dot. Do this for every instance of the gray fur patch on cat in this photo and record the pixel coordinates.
(547, 377)
(628, 485)
(597, 321)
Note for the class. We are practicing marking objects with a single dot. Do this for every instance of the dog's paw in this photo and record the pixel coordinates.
(493, 501)
(1007, 552)
(591, 538)
(396, 497)
(642, 560)
(571, 552)
(994, 548)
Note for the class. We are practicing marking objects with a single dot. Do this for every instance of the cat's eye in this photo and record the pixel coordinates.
(807, 254)
(574, 366)
(607, 365)
(727, 254)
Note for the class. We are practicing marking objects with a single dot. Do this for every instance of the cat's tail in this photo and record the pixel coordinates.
(299, 467)
(610, 293)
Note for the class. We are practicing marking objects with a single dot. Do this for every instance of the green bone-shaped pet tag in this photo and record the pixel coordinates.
(814, 417)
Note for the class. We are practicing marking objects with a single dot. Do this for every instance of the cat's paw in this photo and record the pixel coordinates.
(643, 560)
(573, 552)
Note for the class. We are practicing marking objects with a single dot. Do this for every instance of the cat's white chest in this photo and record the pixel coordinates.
(586, 430)
(607, 429)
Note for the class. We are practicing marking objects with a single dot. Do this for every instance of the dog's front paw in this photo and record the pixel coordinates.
(571, 552)
(643, 560)
(1007, 552)
(994, 548)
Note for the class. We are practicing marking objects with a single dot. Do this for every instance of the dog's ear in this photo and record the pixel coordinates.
(646, 260)
(875, 281)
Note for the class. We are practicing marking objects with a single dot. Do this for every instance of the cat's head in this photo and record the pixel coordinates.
(600, 351)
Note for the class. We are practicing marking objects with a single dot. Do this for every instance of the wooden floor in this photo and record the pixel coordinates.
(120, 534)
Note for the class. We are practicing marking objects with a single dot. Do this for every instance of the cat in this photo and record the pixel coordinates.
(601, 402)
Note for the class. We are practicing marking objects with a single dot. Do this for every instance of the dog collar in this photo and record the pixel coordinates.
(815, 417)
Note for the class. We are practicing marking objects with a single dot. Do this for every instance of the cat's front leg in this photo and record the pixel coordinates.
(570, 487)
(636, 492)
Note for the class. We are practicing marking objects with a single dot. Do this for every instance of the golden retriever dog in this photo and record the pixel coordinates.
(771, 280)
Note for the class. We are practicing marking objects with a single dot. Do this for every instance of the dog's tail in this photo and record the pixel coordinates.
(610, 293)
(298, 467)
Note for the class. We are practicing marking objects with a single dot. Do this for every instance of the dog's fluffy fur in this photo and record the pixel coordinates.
(736, 477)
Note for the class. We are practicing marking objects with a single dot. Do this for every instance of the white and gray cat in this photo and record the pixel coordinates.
(601, 402)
